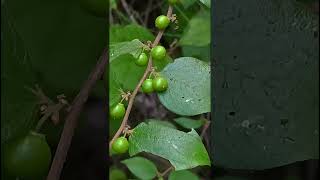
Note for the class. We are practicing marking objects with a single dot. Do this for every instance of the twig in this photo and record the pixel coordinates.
(71, 119)
(148, 10)
(49, 112)
(166, 171)
(126, 8)
(133, 95)
(204, 129)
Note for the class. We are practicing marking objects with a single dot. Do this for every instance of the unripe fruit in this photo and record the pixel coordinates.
(118, 111)
(142, 60)
(158, 52)
(120, 145)
(160, 84)
(147, 86)
(28, 157)
(162, 22)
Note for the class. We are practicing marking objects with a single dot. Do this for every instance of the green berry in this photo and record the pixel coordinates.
(118, 111)
(158, 52)
(120, 145)
(28, 157)
(162, 22)
(147, 86)
(142, 60)
(160, 84)
(172, 2)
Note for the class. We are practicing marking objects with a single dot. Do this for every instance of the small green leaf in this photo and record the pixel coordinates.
(134, 47)
(183, 150)
(183, 175)
(161, 123)
(189, 87)
(198, 31)
(141, 167)
(189, 123)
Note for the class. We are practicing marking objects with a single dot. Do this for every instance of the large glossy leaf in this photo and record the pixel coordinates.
(18, 104)
(198, 31)
(189, 87)
(141, 167)
(183, 175)
(266, 87)
(183, 150)
(64, 40)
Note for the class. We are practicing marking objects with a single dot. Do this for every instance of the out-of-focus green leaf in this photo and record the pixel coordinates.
(198, 30)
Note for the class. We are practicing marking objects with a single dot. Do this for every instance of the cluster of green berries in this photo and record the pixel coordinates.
(157, 53)
(158, 84)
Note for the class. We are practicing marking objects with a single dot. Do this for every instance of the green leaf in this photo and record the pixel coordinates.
(134, 47)
(18, 105)
(117, 174)
(187, 3)
(161, 123)
(206, 2)
(183, 175)
(189, 123)
(199, 52)
(183, 150)
(63, 40)
(119, 33)
(141, 167)
(198, 31)
(189, 87)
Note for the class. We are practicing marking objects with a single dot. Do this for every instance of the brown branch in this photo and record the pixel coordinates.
(71, 119)
(147, 12)
(135, 92)
(205, 128)
(166, 171)
(126, 8)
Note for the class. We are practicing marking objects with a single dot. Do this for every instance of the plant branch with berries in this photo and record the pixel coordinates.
(147, 85)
